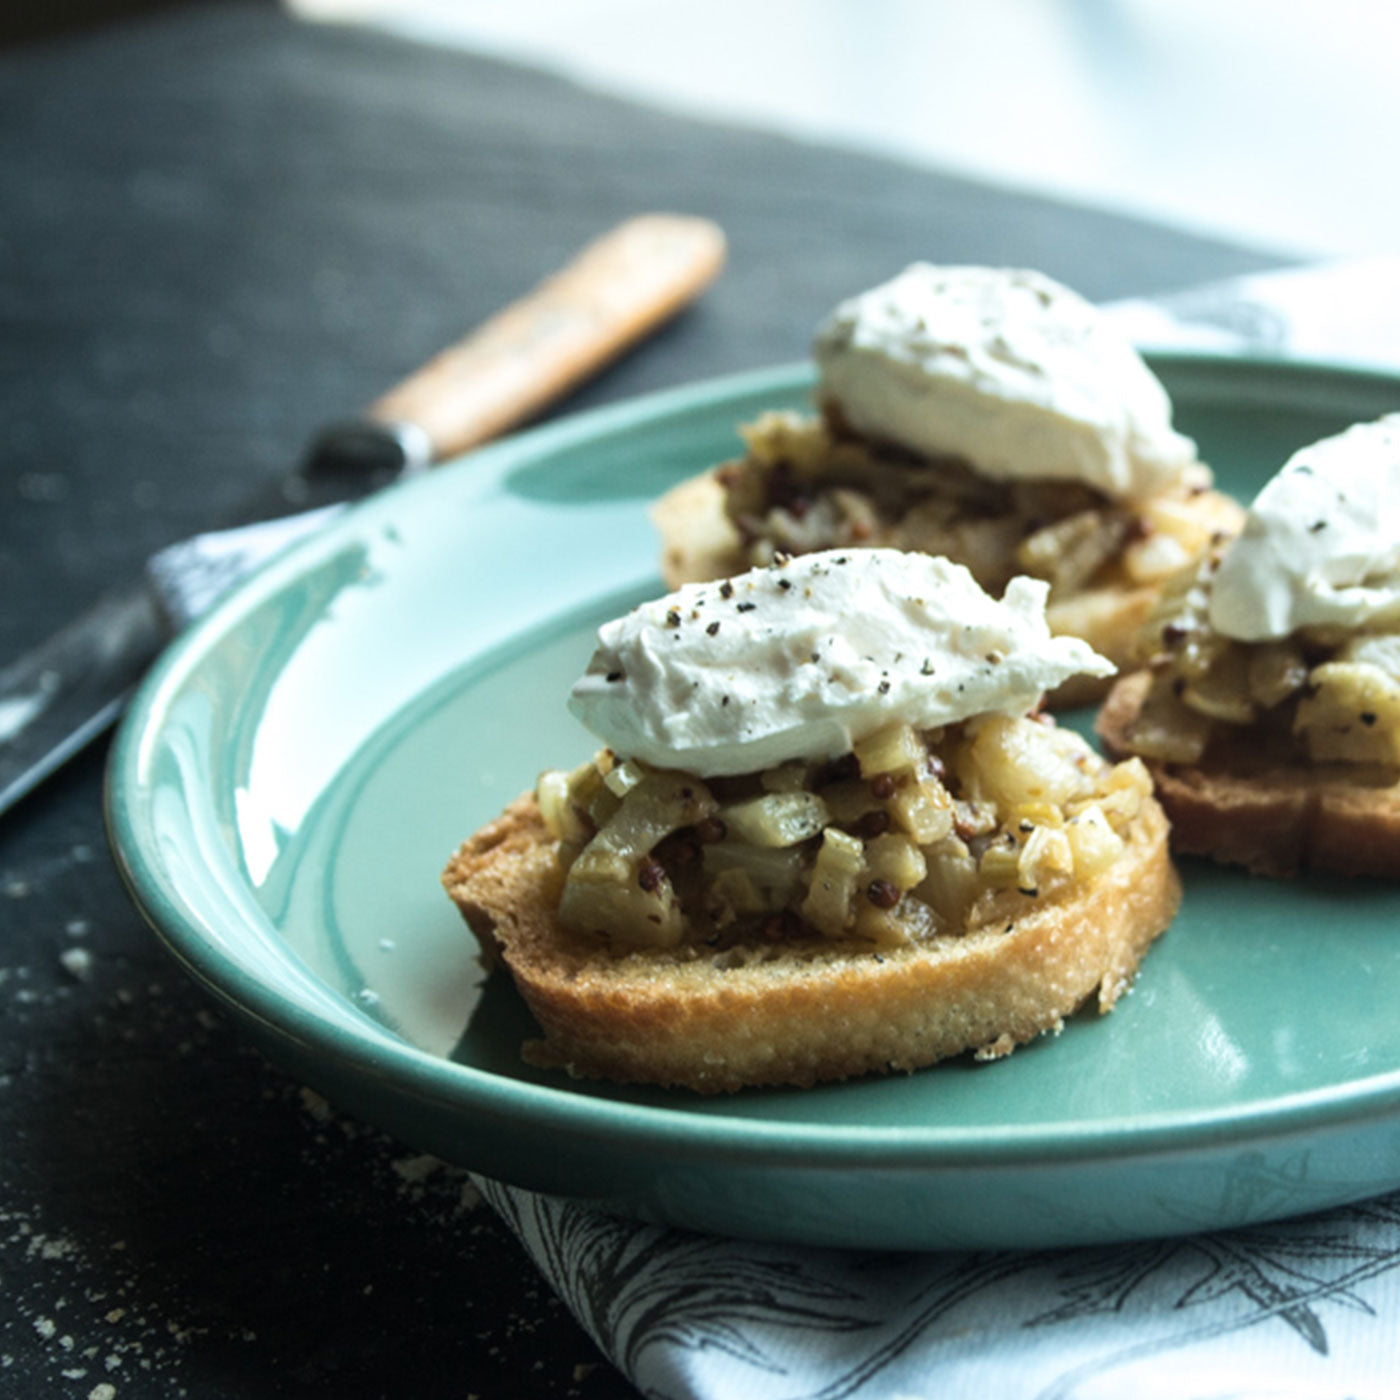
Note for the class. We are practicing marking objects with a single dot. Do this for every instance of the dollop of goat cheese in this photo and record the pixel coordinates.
(800, 659)
(1006, 369)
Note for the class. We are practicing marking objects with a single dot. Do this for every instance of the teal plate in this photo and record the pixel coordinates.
(292, 777)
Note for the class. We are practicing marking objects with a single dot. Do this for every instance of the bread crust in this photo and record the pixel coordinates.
(1275, 820)
(810, 1012)
(699, 542)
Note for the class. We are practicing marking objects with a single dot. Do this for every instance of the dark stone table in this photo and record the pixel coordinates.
(221, 228)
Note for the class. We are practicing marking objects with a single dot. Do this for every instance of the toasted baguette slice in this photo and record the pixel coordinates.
(700, 542)
(1272, 819)
(799, 1013)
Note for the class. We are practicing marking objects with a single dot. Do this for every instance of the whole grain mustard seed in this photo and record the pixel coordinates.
(883, 894)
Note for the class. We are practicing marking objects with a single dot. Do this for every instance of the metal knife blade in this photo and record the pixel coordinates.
(58, 698)
(68, 690)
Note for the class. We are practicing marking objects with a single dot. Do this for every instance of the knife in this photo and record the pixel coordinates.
(68, 690)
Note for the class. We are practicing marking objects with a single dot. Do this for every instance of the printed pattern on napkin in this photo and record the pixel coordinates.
(1303, 1307)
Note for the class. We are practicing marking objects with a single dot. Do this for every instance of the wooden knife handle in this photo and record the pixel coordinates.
(615, 291)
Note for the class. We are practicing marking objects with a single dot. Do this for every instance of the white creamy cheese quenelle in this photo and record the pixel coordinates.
(1321, 543)
(1007, 369)
(800, 659)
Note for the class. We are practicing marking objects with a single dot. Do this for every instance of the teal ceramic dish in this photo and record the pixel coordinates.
(291, 779)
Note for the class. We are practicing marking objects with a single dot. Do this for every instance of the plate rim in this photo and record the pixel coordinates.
(354, 1040)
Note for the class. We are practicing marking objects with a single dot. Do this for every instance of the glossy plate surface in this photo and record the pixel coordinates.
(291, 779)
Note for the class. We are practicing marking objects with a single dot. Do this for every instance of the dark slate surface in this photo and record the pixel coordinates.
(220, 229)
